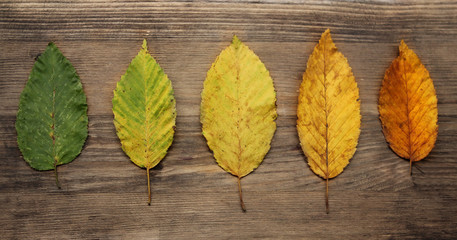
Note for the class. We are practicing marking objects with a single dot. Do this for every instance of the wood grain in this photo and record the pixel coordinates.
(104, 195)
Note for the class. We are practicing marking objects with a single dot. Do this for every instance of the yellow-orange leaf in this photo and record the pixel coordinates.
(408, 107)
(328, 111)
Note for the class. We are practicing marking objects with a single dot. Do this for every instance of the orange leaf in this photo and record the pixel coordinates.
(408, 107)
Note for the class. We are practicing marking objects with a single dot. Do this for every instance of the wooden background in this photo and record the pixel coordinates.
(104, 195)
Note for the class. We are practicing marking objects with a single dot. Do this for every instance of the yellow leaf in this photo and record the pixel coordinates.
(328, 111)
(238, 110)
(408, 107)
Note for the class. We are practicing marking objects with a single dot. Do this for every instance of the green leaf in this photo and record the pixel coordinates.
(144, 112)
(238, 110)
(51, 122)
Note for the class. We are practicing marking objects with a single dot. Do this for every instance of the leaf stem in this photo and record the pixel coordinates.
(410, 167)
(326, 197)
(149, 187)
(57, 177)
(241, 195)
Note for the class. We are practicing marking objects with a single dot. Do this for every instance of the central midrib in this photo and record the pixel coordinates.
(326, 111)
(53, 118)
(240, 149)
(146, 120)
(407, 111)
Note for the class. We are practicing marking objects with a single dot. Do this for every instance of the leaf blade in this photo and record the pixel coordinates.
(238, 110)
(52, 118)
(408, 107)
(322, 118)
(144, 111)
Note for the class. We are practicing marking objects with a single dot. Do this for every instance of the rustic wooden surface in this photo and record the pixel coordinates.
(104, 195)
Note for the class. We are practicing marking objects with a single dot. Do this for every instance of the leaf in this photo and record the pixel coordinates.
(238, 110)
(51, 122)
(144, 112)
(328, 111)
(408, 107)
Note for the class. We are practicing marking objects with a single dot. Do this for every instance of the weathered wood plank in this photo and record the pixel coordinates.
(104, 195)
(283, 215)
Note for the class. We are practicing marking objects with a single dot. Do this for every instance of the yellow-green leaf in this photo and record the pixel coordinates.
(144, 112)
(238, 110)
(328, 111)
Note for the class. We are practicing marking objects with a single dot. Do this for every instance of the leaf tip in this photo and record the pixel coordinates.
(326, 33)
(52, 45)
(145, 44)
(403, 47)
(326, 36)
(236, 40)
